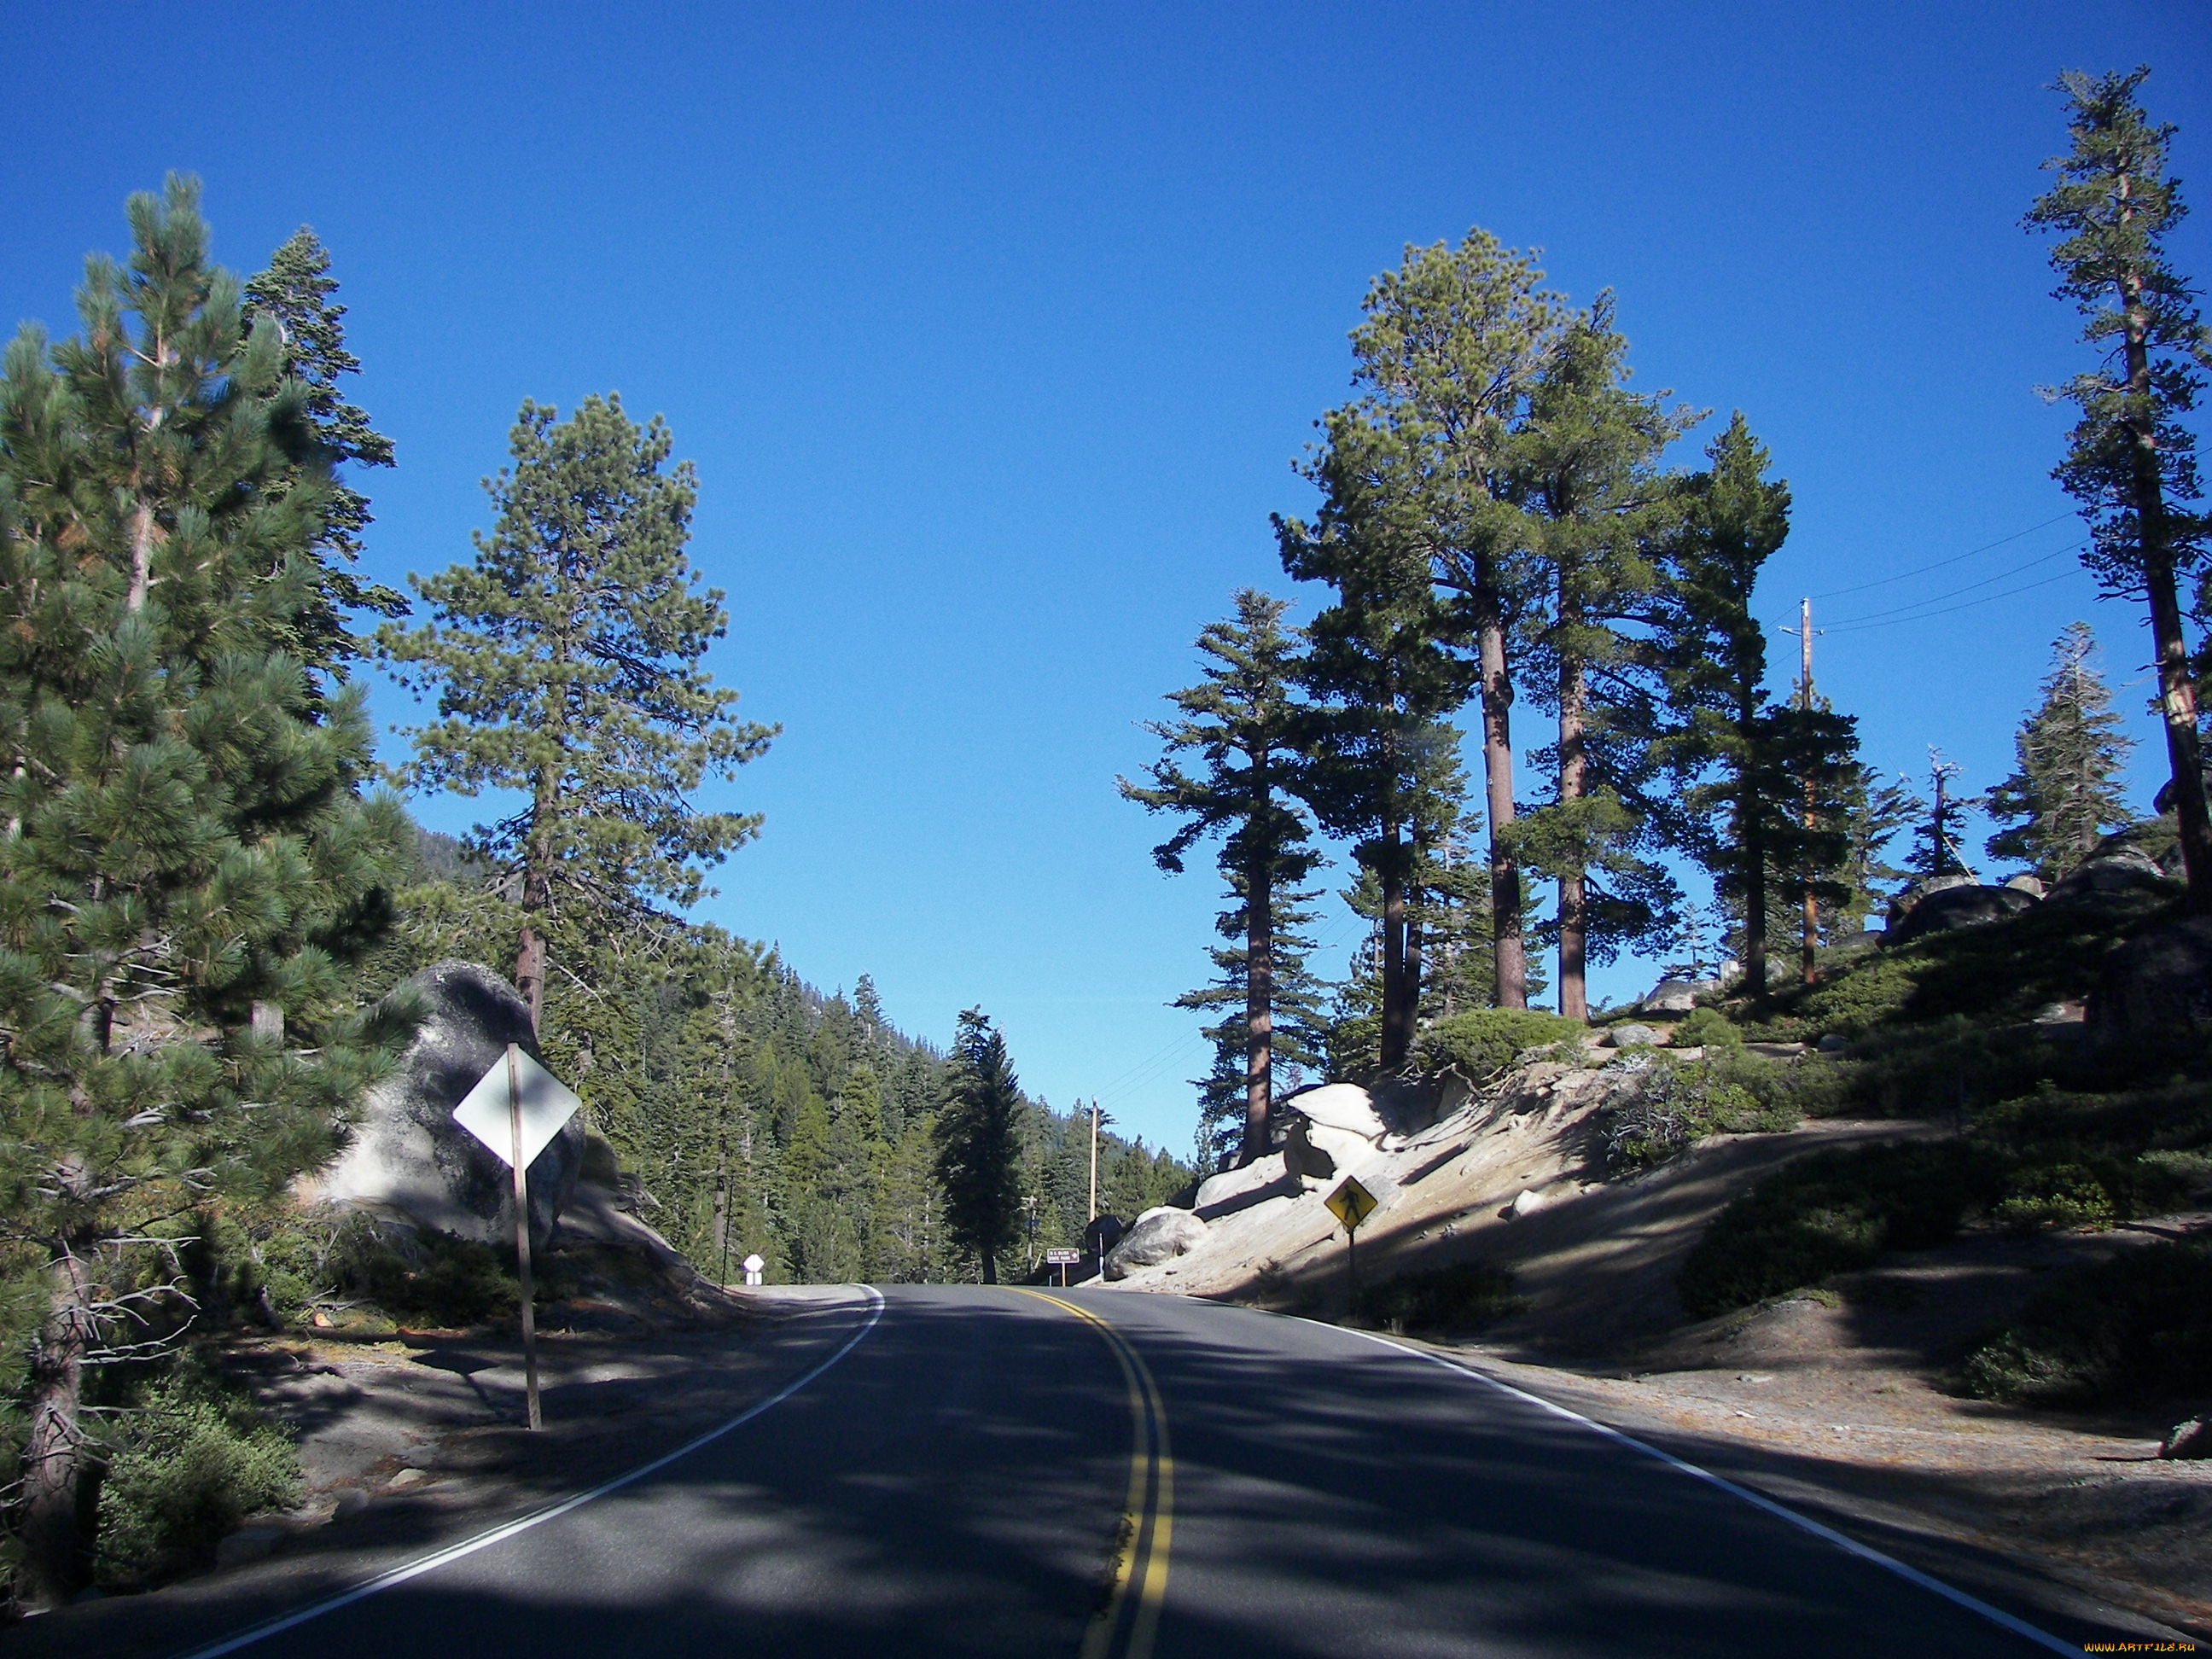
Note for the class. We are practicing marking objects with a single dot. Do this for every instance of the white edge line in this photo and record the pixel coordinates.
(1827, 1534)
(484, 1540)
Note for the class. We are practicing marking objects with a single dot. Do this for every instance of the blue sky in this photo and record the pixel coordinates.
(993, 331)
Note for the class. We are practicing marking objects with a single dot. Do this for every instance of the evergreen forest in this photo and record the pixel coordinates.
(1535, 708)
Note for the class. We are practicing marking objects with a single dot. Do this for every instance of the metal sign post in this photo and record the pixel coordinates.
(522, 1235)
(515, 1108)
(1352, 1204)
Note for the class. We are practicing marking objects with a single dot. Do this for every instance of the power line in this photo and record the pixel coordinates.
(1956, 558)
(1986, 598)
(1938, 598)
(1141, 1072)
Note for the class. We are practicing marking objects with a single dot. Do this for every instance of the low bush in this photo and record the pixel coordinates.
(2138, 1326)
(1951, 1068)
(1483, 1042)
(189, 1458)
(1998, 973)
(1680, 1102)
(277, 1264)
(2054, 1196)
(427, 1277)
(1440, 1299)
(1708, 1028)
(1834, 1211)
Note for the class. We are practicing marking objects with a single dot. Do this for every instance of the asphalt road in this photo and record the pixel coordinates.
(997, 1472)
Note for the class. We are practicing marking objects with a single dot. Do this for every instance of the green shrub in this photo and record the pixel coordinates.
(190, 1459)
(2190, 1172)
(1440, 1299)
(1708, 1028)
(2054, 1196)
(1680, 1102)
(1946, 1068)
(1824, 1087)
(426, 1278)
(1998, 973)
(1483, 1042)
(2139, 1325)
(1834, 1211)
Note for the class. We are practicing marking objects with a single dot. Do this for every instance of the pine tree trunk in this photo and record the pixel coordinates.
(1397, 1029)
(529, 955)
(144, 534)
(2177, 694)
(1259, 1007)
(529, 973)
(1574, 766)
(1412, 976)
(52, 1529)
(990, 1266)
(1498, 778)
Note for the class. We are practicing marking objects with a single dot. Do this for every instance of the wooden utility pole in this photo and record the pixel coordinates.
(1093, 1158)
(1810, 943)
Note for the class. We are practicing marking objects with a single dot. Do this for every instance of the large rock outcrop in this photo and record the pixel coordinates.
(1329, 1129)
(1255, 1183)
(408, 1156)
(1967, 904)
(1676, 997)
(1155, 1236)
(2113, 870)
(2155, 991)
(1903, 904)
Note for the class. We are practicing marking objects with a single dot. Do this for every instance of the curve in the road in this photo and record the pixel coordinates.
(977, 1480)
(1128, 1623)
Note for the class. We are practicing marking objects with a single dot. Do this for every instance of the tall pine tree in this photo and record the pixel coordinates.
(1712, 652)
(2067, 790)
(2132, 463)
(1383, 676)
(1293, 1035)
(186, 865)
(1591, 476)
(1874, 814)
(298, 294)
(978, 1147)
(1243, 725)
(567, 661)
(1448, 352)
(1936, 852)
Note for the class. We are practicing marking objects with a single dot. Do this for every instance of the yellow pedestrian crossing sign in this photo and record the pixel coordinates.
(1352, 1204)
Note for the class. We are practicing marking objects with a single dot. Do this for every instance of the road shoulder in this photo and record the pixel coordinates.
(414, 1447)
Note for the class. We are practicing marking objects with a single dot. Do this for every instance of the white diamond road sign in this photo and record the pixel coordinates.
(547, 1104)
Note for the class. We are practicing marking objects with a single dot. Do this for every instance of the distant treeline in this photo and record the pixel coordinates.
(730, 1087)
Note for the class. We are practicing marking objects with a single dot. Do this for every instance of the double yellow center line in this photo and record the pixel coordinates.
(1129, 1618)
